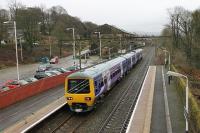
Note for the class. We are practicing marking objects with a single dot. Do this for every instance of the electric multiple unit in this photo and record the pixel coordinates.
(84, 88)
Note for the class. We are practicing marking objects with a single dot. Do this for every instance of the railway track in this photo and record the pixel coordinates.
(72, 122)
(109, 124)
(129, 113)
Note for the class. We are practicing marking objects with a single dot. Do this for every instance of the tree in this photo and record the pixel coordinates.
(181, 30)
(196, 26)
(3, 30)
(28, 20)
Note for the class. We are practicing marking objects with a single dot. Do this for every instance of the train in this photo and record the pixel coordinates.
(84, 88)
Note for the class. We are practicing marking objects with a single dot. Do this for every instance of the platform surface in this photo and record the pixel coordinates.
(36, 117)
(159, 108)
(141, 118)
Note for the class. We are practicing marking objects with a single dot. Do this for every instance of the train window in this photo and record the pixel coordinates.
(95, 83)
(105, 81)
(101, 83)
(78, 86)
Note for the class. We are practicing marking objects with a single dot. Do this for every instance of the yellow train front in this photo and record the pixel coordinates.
(79, 92)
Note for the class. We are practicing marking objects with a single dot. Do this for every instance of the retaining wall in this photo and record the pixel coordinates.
(20, 93)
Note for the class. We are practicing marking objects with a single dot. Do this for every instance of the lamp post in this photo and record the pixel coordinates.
(110, 53)
(49, 45)
(99, 43)
(120, 43)
(169, 61)
(74, 50)
(74, 41)
(49, 39)
(20, 41)
(170, 73)
(16, 52)
(168, 57)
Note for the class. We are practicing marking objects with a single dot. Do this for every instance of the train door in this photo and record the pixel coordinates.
(105, 82)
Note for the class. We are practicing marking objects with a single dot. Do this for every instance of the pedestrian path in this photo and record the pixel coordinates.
(176, 106)
(159, 116)
(30, 121)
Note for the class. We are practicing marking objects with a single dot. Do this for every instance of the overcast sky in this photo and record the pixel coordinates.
(147, 16)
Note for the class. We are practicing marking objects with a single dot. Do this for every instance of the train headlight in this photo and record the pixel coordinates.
(87, 98)
(69, 98)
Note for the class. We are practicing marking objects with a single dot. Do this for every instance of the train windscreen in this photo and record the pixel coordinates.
(79, 86)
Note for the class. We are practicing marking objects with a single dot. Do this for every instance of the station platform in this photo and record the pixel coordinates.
(141, 118)
(158, 108)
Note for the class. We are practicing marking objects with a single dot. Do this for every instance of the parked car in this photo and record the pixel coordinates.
(23, 82)
(62, 70)
(4, 88)
(44, 60)
(11, 84)
(72, 68)
(54, 72)
(36, 44)
(40, 75)
(54, 60)
(31, 79)
(44, 67)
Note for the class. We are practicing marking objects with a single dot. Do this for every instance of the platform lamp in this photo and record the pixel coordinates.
(186, 109)
(16, 51)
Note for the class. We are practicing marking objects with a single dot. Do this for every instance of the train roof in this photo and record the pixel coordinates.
(96, 70)
(138, 50)
(129, 55)
(100, 68)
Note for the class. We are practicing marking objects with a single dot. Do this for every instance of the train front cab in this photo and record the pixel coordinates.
(79, 94)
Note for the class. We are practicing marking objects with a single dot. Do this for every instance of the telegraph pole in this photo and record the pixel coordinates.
(79, 55)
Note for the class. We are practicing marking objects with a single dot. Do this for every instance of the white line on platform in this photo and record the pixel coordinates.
(168, 120)
(129, 125)
(44, 117)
